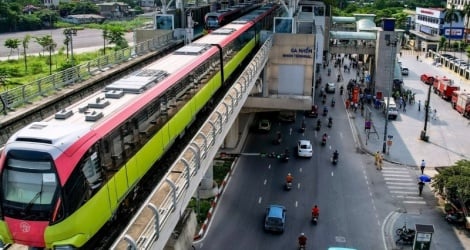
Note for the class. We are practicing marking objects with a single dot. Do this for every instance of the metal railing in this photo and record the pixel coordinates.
(154, 222)
(28, 93)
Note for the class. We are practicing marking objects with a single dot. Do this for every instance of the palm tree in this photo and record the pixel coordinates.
(466, 13)
(452, 15)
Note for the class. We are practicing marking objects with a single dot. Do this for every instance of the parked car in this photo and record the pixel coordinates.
(304, 148)
(404, 71)
(275, 219)
(330, 87)
(264, 125)
(287, 116)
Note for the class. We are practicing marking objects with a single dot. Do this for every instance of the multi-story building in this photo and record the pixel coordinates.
(430, 26)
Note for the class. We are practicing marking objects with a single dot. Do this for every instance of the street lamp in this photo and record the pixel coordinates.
(69, 33)
(423, 135)
(392, 43)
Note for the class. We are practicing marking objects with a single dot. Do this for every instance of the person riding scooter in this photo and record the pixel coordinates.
(329, 71)
(335, 156)
(341, 90)
(324, 138)
(318, 125)
(315, 213)
(333, 102)
(330, 122)
(302, 241)
(289, 180)
(325, 111)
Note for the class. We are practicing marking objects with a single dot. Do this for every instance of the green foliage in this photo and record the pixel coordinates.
(36, 68)
(204, 206)
(12, 44)
(454, 182)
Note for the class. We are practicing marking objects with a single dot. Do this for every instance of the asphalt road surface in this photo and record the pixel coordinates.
(348, 214)
(84, 39)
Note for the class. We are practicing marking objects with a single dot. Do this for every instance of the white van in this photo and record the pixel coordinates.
(389, 103)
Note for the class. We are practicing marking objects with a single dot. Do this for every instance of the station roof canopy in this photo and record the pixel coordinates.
(343, 19)
(348, 35)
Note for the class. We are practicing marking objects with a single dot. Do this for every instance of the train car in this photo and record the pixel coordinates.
(65, 177)
(217, 19)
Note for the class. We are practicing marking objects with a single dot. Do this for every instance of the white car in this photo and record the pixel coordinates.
(330, 87)
(304, 148)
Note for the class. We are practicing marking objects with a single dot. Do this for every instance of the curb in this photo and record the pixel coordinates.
(214, 203)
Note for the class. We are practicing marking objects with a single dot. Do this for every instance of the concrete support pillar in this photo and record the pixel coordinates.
(265, 88)
(232, 138)
(208, 188)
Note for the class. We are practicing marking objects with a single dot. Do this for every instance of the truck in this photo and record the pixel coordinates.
(427, 79)
(444, 87)
(461, 102)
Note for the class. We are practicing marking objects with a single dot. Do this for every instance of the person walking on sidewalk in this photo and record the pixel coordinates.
(419, 105)
(420, 187)
(423, 165)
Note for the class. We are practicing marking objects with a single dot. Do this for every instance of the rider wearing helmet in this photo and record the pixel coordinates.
(335, 154)
(289, 178)
(302, 240)
(315, 211)
(325, 136)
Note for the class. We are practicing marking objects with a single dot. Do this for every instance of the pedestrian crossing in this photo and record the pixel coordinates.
(402, 185)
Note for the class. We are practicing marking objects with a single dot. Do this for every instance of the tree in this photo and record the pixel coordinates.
(25, 44)
(12, 44)
(116, 36)
(454, 183)
(452, 15)
(466, 13)
(47, 43)
(105, 37)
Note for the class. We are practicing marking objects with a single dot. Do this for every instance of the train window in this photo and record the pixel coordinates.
(92, 170)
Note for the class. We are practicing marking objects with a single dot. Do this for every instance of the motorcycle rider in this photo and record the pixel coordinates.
(325, 110)
(333, 102)
(302, 240)
(341, 90)
(325, 136)
(330, 121)
(335, 155)
(289, 178)
(315, 211)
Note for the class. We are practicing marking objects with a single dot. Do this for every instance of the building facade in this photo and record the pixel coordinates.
(430, 26)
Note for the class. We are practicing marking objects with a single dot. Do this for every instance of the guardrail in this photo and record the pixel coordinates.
(28, 93)
(154, 222)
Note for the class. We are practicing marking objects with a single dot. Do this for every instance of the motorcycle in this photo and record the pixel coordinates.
(341, 90)
(406, 237)
(325, 112)
(315, 219)
(334, 159)
(333, 103)
(278, 140)
(302, 247)
(288, 185)
(323, 141)
(339, 78)
(329, 71)
(284, 157)
(318, 125)
(330, 123)
(455, 218)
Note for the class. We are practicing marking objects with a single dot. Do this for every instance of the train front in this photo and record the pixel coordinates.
(31, 199)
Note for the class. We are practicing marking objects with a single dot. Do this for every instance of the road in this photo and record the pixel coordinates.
(348, 214)
(87, 38)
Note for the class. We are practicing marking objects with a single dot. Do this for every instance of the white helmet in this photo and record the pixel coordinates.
(288, 174)
(302, 234)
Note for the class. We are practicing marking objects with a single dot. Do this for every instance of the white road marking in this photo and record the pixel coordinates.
(265, 181)
(260, 199)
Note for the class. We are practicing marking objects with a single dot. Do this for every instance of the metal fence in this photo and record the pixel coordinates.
(28, 93)
(152, 225)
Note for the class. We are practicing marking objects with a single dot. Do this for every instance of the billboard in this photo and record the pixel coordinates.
(457, 33)
(164, 22)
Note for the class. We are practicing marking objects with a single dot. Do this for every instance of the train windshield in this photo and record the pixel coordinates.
(212, 22)
(28, 183)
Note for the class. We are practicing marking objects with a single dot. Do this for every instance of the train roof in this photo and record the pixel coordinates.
(126, 93)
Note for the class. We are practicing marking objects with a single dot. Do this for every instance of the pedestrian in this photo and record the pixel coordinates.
(381, 157)
(434, 115)
(420, 187)
(404, 106)
(417, 58)
(423, 165)
(376, 157)
(419, 105)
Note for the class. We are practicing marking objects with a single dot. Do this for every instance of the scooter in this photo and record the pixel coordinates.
(455, 218)
(325, 112)
(284, 157)
(315, 219)
(302, 247)
(341, 90)
(334, 159)
(333, 103)
(407, 238)
(318, 125)
(323, 141)
(288, 186)
(330, 123)
(339, 78)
